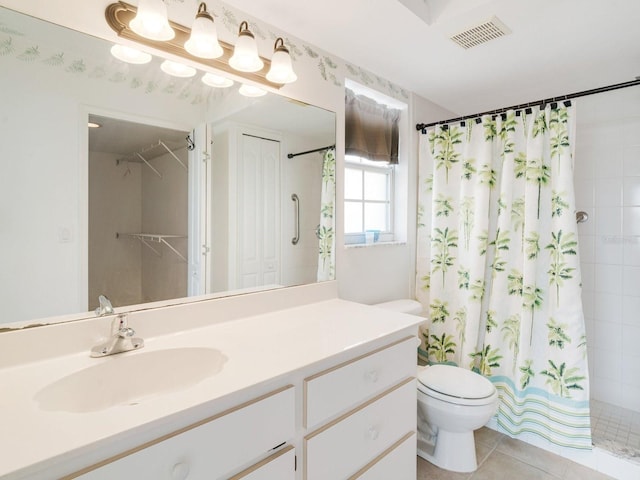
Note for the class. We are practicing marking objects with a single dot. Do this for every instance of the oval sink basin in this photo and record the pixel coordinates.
(127, 379)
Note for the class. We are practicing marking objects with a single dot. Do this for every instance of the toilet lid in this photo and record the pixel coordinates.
(456, 382)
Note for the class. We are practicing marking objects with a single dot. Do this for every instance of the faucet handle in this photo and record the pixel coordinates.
(105, 307)
(125, 332)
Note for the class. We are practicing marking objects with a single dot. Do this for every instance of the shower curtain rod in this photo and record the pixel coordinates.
(291, 155)
(631, 83)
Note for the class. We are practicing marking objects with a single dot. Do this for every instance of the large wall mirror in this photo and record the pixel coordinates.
(183, 190)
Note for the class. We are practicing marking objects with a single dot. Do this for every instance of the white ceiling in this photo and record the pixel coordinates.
(557, 46)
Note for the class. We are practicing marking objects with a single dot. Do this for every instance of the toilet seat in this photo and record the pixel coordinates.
(456, 385)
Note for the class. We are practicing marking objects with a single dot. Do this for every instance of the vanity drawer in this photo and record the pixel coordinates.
(342, 387)
(344, 446)
(399, 462)
(280, 466)
(211, 448)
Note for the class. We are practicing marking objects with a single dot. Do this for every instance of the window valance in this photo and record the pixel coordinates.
(371, 129)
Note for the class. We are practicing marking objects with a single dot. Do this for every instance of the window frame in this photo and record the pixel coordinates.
(363, 165)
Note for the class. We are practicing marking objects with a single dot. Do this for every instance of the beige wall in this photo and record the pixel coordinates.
(164, 211)
(131, 198)
(115, 205)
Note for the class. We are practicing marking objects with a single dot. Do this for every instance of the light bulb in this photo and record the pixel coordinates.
(216, 81)
(245, 56)
(151, 21)
(177, 69)
(251, 91)
(130, 55)
(281, 70)
(203, 41)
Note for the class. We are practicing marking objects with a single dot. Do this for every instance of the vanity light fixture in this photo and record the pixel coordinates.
(240, 61)
(93, 125)
(281, 70)
(130, 55)
(151, 21)
(245, 54)
(203, 41)
(216, 81)
(177, 69)
(251, 91)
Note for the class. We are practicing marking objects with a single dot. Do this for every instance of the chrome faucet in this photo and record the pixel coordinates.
(105, 307)
(122, 339)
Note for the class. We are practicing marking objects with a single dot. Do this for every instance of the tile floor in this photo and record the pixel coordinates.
(503, 458)
(616, 430)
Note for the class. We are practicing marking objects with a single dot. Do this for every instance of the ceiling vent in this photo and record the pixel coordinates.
(481, 33)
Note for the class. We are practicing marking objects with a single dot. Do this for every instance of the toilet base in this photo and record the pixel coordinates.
(454, 451)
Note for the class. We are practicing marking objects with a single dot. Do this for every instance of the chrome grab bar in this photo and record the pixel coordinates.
(296, 204)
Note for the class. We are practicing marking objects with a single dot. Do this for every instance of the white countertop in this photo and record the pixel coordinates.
(259, 349)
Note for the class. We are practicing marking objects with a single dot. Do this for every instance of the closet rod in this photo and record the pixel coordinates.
(148, 157)
(291, 155)
(608, 88)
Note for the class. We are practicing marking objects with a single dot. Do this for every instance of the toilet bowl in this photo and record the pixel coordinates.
(452, 403)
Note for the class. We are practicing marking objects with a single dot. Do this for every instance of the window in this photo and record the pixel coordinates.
(368, 201)
(372, 169)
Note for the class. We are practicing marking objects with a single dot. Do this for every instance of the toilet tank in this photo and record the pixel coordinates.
(404, 305)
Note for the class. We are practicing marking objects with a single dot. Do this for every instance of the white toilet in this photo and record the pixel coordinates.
(452, 403)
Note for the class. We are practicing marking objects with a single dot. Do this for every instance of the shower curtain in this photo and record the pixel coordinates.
(326, 228)
(498, 266)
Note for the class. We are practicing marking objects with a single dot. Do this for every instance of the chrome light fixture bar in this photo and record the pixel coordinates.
(120, 14)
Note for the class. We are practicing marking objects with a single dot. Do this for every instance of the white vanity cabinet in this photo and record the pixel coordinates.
(321, 390)
(279, 466)
(375, 398)
(214, 447)
(399, 461)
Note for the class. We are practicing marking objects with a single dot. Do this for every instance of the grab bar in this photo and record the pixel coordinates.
(296, 204)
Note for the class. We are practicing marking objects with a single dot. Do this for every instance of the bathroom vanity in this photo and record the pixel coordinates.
(290, 384)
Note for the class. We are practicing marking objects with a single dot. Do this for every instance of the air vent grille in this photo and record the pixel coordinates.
(481, 33)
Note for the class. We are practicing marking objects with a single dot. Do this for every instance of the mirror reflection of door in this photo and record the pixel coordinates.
(252, 181)
(138, 211)
(258, 209)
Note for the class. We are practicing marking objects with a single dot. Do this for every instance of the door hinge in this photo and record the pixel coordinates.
(205, 157)
(295, 463)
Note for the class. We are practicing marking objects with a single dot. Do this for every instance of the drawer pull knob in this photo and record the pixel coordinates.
(180, 471)
(373, 376)
(373, 433)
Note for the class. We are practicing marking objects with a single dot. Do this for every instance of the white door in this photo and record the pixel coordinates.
(258, 207)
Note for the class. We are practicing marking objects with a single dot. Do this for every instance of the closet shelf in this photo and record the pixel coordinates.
(146, 238)
(147, 154)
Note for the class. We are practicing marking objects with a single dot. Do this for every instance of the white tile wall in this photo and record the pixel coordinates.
(607, 183)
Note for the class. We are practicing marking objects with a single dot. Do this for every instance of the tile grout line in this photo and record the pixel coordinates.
(491, 451)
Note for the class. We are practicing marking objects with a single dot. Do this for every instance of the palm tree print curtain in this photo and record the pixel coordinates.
(326, 229)
(498, 267)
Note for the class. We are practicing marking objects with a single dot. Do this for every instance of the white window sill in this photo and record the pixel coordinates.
(374, 244)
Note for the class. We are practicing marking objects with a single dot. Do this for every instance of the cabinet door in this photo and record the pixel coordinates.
(340, 388)
(343, 447)
(280, 466)
(399, 462)
(211, 449)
